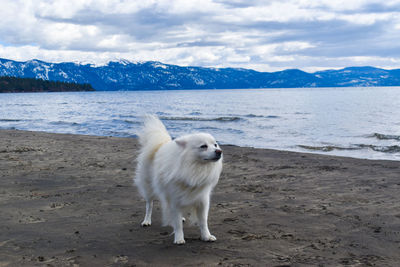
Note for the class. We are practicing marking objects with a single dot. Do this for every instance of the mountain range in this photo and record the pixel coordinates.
(151, 75)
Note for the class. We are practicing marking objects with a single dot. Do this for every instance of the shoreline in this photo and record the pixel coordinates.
(68, 199)
(233, 145)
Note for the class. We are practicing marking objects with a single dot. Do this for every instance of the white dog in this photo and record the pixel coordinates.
(181, 173)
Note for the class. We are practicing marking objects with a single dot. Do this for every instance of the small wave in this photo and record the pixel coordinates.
(386, 136)
(272, 117)
(125, 121)
(261, 116)
(64, 123)
(222, 119)
(207, 128)
(10, 120)
(253, 116)
(235, 131)
(327, 148)
(383, 149)
(23, 105)
(131, 122)
(124, 116)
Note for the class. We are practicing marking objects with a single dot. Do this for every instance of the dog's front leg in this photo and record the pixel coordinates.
(202, 215)
(177, 224)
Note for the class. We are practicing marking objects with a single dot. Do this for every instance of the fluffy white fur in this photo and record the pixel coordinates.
(181, 173)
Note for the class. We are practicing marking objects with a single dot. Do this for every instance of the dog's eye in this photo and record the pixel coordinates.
(203, 146)
(215, 145)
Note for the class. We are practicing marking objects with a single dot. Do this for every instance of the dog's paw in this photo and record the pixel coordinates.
(209, 238)
(179, 242)
(146, 223)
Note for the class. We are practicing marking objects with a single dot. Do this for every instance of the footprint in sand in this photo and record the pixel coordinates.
(31, 219)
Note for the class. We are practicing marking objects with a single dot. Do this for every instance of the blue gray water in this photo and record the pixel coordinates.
(355, 122)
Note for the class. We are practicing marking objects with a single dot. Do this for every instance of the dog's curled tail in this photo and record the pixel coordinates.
(153, 135)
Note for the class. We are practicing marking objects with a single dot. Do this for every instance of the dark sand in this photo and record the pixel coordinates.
(68, 200)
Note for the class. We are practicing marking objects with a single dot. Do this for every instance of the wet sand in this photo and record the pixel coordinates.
(68, 200)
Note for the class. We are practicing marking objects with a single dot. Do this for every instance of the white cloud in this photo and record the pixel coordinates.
(62, 9)
(265, 35)
(367, 19)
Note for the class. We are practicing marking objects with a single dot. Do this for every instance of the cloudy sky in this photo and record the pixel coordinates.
(262, 35)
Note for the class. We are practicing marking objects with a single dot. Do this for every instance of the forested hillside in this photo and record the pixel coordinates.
(21, 85)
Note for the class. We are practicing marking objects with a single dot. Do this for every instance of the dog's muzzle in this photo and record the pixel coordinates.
(218, 154)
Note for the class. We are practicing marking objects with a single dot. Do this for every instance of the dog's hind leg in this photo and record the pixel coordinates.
(149, 210)
(143, 183)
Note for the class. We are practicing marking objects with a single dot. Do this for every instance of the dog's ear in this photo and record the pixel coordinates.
(181, 142)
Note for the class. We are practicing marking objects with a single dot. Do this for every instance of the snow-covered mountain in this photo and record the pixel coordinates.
(125, 75)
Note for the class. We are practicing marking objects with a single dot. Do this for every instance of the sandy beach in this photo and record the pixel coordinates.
(68, 200)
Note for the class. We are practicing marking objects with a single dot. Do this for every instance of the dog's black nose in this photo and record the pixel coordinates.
(218, 152)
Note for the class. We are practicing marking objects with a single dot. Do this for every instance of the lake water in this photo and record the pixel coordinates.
(356, 122)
